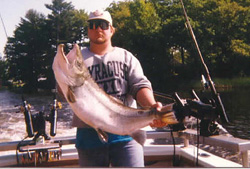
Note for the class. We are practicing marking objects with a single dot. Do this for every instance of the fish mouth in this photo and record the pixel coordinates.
(60, 51)
(71, 56)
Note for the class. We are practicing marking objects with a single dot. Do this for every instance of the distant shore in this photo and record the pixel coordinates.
(220, 83)
(181, 85)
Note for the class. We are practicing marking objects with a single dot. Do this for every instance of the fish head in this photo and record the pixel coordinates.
(69, 68)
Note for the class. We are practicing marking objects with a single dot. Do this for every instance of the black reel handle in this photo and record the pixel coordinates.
(196, 108)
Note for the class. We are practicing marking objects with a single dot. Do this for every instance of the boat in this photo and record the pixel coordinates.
(164, 147)
(159, 151)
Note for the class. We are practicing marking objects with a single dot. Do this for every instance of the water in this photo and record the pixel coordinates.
(12, 128)
(237, 105)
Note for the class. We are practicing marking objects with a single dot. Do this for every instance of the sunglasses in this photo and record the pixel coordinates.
(94, 24)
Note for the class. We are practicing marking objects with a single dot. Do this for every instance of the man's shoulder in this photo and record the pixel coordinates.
(123, 51)
(86, 53)
(85, 49)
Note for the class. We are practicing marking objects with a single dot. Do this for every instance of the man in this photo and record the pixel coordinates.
(120, 74)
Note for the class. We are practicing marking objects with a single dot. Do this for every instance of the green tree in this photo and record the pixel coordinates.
(26, 51)
(121, 21)
(139, 30)
(156, 33)
(31, 51)
(153, 30)
(222, 32)
(3, 72)
(66, 25)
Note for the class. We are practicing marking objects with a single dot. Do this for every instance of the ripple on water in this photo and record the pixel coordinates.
(13, 126)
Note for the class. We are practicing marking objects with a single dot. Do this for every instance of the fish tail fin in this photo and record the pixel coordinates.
(140, 136)
(170, 118)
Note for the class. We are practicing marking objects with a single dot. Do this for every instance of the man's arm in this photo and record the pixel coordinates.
(145, 98)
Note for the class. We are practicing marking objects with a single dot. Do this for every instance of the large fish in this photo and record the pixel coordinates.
(93, 106)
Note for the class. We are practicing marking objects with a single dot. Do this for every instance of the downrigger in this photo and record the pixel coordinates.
(36, 123)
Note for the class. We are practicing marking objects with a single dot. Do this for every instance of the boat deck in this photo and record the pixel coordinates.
(158, 152)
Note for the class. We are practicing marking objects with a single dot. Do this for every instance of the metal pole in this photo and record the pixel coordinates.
(245, 158)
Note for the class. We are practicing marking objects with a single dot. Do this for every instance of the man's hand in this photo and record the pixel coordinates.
(157, 122)
(168, 118)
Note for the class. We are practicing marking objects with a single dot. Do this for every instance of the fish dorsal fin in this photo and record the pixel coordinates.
(102, 135)
(70, 95)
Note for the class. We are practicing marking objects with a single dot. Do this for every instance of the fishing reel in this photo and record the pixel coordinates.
(52, 118)
(208, 111)
(204, 111)
(37, 122)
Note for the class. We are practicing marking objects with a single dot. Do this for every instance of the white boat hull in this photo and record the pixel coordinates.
(161, 153)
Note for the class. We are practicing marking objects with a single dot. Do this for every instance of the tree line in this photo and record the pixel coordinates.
(153, 30)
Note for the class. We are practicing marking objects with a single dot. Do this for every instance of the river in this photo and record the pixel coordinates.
(237, 105)
(12, 128)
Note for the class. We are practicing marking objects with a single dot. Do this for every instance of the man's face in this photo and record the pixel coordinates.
(99, 31)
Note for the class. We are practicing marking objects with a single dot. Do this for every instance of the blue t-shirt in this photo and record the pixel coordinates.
(88, 138)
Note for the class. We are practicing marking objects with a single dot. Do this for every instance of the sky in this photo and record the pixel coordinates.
(11, 12)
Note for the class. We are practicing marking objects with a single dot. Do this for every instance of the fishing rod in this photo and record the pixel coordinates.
(53, 113)
(216, 96)
(216, 103)
(4, 27)
(25, 109)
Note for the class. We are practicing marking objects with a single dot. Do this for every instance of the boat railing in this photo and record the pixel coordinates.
(231, 143)
(226, 141)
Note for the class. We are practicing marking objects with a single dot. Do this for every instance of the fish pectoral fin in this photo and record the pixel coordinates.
(70, 95)
(102, 135)
(140, 136)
